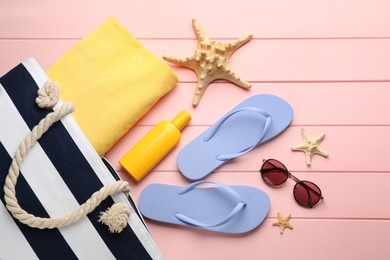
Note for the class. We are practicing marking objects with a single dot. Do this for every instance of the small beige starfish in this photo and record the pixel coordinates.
(310, 146)
(283, 222)
(210, 61)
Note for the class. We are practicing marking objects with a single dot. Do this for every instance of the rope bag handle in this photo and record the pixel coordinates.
(115, 217)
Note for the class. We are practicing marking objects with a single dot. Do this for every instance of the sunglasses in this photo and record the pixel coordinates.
(306, 193)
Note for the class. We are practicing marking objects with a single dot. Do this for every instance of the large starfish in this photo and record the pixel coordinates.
(310, 146)
(283, 222)
(210, 61)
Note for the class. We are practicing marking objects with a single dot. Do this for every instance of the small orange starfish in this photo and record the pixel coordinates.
(210, 61)
(283, 222)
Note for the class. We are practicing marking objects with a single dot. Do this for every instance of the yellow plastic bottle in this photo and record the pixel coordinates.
(154, 146)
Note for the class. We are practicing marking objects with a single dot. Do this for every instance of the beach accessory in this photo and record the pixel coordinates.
(210, 61)
(310, 146)
(113, 81)
(221, 208)
(154, 146)
(306, 193)
(249, 124)
(283, 222)
(47, 98)
(56, 175)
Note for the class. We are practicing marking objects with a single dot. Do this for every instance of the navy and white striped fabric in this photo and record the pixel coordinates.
(59, 173)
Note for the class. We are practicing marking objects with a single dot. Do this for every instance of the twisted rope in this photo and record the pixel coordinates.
(115, 217)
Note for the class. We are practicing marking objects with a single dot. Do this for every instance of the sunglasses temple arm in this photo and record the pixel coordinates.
(308, 188)
(304, 185)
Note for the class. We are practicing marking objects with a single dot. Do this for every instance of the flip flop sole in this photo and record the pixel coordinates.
(199, 158)
(160, 202)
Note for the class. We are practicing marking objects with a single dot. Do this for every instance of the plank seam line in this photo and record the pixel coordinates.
(256, 172)
(336, 218)
(214, 38)
(294, 81)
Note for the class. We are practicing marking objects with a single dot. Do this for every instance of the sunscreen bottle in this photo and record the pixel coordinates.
(154, 146)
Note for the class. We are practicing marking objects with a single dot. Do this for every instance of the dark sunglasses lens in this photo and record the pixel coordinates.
(307, 193)
(274, 172)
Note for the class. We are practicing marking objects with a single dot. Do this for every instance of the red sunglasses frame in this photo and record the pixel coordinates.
(297, 182)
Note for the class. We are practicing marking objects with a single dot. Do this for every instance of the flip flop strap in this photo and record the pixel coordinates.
(214, 129)
(226, 189)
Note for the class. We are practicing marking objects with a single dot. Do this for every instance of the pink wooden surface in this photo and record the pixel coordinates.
(329, 59)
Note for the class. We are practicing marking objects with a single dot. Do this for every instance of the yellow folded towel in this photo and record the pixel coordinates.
(113, 81)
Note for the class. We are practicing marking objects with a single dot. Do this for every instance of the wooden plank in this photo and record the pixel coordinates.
(346, 195)
(310, 239)
(354, 103)
(352, 149)
(220, 19)
(13, 52)
(351, 102)
(296, 60)
(258, 61)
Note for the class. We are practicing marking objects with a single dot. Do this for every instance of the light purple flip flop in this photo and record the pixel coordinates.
(249, 124)
(227, 209)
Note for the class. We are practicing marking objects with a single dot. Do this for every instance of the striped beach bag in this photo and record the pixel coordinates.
(58, 197)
